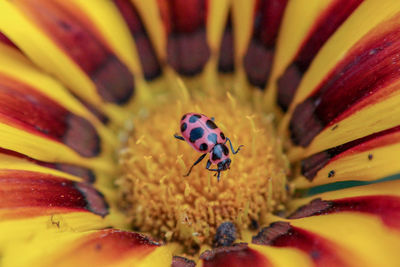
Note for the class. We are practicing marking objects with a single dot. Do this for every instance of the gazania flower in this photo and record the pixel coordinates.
(92, 93)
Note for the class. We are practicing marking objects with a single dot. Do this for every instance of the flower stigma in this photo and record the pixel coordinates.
(159, 200)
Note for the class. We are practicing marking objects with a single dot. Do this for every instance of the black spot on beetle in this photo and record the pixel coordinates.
(183, 117)
(183, 127)
(195, 134)
(222, 135)
(334, 127)
(331, 174)
(203, 147)
(225, 235)
(225, 150)
(210, 124)
(212, 137)
(370, 156)
(194, 118)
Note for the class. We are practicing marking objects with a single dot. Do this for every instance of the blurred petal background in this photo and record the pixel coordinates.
(74, 73)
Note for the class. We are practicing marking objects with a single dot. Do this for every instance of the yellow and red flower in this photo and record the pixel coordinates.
(92, 91)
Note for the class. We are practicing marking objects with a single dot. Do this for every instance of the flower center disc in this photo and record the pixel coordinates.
(158, 198)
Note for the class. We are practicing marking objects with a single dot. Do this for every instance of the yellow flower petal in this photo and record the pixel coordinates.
(355, 28)
(47, 45)
(315, 22)
(27, 222)
(342, 93)
(283, 256)
(359, 199)
(94, 248)
(366, 159)
(36, 201)
(341, 239)
(152, 13)
(369, 243)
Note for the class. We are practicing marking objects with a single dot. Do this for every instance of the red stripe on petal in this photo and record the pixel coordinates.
(26, 108)
(236, 255)
(387, 208)
(74, 34)
(86, 174)
(188, 15)
(324, 27)
(259, 56)
(25, 189)
(268, 16)
(311, 165)
(4, 39)
(106, 247)
(368, 68)
(282, 234)
(187, 48)
(148, 59)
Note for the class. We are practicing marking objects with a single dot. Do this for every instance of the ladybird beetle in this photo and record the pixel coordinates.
(204, 136)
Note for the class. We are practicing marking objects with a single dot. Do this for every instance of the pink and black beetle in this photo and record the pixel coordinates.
(204, 136)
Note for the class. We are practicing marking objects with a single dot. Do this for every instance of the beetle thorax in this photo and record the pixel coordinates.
(219, 153)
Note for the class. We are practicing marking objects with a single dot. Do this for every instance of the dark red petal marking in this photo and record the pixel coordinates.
(226, 62)
(148, 59)
(326, 24)
(311, 165)
(236, 255)
(78, 38)
(4, 39)
(259, 56)
(26, 189)
(178, 261)
(86, 174)
(26, 108)
(282, 234)
(368, 68)
(257, 63)
(387, 208)
(96, 112)
(95, 199)
(187, 48)
(109, 246)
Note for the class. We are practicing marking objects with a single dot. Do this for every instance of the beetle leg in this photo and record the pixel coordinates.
(197, 161)
(218, 171)
(179, 137)
(233, 150)
(209, 165)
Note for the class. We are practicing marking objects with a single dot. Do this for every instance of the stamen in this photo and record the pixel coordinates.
(162, 202)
